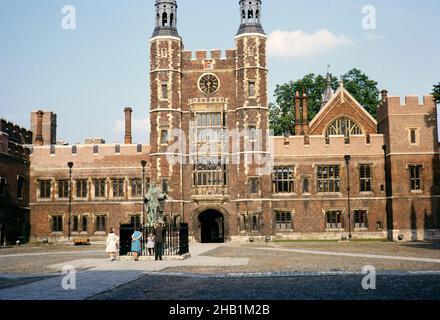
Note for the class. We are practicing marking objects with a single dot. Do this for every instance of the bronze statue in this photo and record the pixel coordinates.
(155, 202)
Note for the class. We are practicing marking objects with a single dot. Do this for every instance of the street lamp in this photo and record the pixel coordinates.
(347, 162)
(70, 165)
(143, 164)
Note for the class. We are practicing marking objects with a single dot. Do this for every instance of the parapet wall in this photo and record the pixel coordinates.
(411, 104)
(201, 59)
(85, 156)
(317, 147)
(15, 132)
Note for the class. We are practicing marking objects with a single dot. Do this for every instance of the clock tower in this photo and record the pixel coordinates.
(207, 108)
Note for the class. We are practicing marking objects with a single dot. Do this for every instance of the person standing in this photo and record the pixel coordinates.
(150, 244)
(136, 244)
(112, 244)
(159, 234)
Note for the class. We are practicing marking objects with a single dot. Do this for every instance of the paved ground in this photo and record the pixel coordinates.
(298, 270)
(307, 287)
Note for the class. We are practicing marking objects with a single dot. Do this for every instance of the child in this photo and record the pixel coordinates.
(150, 244)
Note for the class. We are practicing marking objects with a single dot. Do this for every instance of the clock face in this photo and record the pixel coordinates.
(208, 84)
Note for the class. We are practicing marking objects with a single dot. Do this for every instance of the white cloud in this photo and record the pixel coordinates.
(140, 129)
(301, 44)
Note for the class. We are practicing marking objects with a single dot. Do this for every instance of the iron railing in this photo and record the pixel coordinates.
(176, 242)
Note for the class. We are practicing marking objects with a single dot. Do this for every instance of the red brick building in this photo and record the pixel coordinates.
(211, 151)
(14, 182)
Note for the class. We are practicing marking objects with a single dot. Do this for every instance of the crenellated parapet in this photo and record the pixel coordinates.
(208, 60)
(15, 132)
(393, 105)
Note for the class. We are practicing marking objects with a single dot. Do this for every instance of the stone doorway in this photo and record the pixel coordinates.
(212, 227)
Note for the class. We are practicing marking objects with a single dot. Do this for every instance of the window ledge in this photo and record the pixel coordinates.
(100, 233)
(284, 194)
(307, 194)
(360, 229)
(334, 230)
(417, 191)
(283, 230)
(57, 233)
(326, 194)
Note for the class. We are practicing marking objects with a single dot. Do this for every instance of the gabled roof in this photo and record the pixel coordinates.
(342, 96)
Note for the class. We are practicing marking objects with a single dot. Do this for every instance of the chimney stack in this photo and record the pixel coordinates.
(39, 133)
(128, 137)
(305, 115)
(384, 94)
(297, 114)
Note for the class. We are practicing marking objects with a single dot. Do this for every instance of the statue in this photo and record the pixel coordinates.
(155, 202)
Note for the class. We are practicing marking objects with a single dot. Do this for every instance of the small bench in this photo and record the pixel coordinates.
(81, 241)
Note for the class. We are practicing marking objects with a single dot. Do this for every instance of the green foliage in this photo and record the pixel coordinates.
(436, 93)
(282, 112)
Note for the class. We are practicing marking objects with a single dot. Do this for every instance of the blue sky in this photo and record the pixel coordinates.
(89, 74)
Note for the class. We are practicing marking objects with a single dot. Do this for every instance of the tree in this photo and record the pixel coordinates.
(282, 112)
(436, 93)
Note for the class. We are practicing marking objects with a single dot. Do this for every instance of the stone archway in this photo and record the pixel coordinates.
(212, 226)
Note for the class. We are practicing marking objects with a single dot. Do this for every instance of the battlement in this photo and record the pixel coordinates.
(410, 104)
(359, 145)
(214, 54)
(15, 132)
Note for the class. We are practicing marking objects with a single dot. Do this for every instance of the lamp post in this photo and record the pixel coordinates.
(347, 162)
(143, 164)
(70, 165)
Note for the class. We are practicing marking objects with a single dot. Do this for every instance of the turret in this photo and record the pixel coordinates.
(166, 18)
(250, 17)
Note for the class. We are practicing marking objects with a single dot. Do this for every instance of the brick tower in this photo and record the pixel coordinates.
(165, 89)
(252, 115)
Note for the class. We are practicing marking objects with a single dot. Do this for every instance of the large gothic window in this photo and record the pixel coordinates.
(343, 127)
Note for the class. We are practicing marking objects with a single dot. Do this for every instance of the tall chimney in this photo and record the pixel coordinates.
(128, 137)
(384, 94)
(39, 133)
(305, 115)
(297, 114)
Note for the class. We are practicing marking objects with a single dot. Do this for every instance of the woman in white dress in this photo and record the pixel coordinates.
(112, 244)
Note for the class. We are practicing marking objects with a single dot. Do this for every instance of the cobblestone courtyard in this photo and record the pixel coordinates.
(293, 270)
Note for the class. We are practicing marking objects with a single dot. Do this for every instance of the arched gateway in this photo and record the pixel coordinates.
(212, 226)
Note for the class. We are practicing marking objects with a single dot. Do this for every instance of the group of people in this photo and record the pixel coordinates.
(155, 243)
